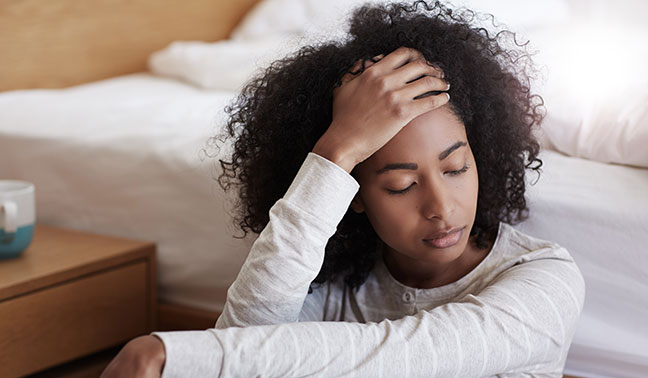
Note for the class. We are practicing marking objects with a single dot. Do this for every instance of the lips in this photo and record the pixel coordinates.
(443, 233)
(445, 239)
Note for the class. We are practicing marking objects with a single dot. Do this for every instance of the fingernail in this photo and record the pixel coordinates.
(448, 94)
(448, 88)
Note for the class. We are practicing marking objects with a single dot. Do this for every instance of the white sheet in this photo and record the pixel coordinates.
(123, 157)
(599, 212)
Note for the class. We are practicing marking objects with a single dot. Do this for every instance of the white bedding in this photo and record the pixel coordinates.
(123, 157)
(599, 212)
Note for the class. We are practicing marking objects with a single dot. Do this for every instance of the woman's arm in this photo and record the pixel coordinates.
(287, 256)
(524, 322)
(274, 280)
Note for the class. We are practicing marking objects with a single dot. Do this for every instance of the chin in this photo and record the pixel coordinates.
(440, 255)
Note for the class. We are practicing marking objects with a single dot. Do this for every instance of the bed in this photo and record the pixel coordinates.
(599, 212)
(128, 156)
(124, 149)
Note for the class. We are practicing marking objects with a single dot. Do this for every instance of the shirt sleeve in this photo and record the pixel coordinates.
(522, 323)
(289, 252)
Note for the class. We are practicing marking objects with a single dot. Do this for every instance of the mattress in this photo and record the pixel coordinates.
(127, 157)
(599, 212)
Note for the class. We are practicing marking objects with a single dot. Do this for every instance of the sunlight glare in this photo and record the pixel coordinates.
(598, 65)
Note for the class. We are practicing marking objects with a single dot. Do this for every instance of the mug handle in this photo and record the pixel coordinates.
(10, 211)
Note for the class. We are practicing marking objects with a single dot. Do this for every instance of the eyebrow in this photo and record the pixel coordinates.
(413, 166)
(450, 149)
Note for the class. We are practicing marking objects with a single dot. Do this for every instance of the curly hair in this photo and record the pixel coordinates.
(280, 115)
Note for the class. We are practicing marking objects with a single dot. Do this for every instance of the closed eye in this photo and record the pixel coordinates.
(451, 173)
(459, 171)
(401, 191)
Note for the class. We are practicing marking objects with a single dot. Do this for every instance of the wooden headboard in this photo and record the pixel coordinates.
(59, 43)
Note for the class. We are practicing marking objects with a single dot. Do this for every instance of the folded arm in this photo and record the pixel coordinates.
(524, 322)
(289, 252)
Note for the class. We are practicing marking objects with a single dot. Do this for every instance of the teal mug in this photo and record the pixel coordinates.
(17, 217)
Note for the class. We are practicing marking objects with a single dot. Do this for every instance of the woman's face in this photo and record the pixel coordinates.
(420, 185)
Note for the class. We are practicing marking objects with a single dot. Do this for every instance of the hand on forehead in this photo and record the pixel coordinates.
(423, 138)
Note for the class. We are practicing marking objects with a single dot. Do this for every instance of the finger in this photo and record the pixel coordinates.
(424, 86)
(422, 67)
(399, 58)
(352, 72)
(346, 78)
(438, 72)
(372, 61)
(426, 104)
(416, 70)
(358, 67)
(366, 63)
(377, 58)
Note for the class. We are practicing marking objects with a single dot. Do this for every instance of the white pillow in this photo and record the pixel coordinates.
(595, 92)
(225, 65)
(603, 133)
(296, 17)
(609, 133)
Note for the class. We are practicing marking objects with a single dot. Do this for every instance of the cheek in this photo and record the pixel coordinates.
(471, 190)
(388, 216)
(463, 192)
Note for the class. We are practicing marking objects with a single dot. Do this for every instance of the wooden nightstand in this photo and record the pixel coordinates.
(71, 294)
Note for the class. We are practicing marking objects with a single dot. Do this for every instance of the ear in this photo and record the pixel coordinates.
(356, 204)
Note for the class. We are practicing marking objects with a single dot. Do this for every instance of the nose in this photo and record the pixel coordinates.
(437, 201)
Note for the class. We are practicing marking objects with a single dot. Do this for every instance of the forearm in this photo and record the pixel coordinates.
(522, 324)
(289, 252)
(428, 344)
(274, 280)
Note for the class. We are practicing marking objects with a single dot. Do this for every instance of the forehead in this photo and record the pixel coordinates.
(424, 137)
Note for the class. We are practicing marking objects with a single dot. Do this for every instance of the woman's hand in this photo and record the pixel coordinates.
(372, 107)
(142, 357)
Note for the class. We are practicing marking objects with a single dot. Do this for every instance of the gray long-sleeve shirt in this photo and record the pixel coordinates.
(512, 315)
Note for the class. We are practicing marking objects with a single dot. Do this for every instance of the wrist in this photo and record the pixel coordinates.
(149, 351)
(158, 353)
(335, 155)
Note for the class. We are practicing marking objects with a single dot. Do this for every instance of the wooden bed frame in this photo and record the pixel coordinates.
(61, 43)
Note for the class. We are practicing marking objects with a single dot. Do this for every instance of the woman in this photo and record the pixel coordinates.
(382, 173)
